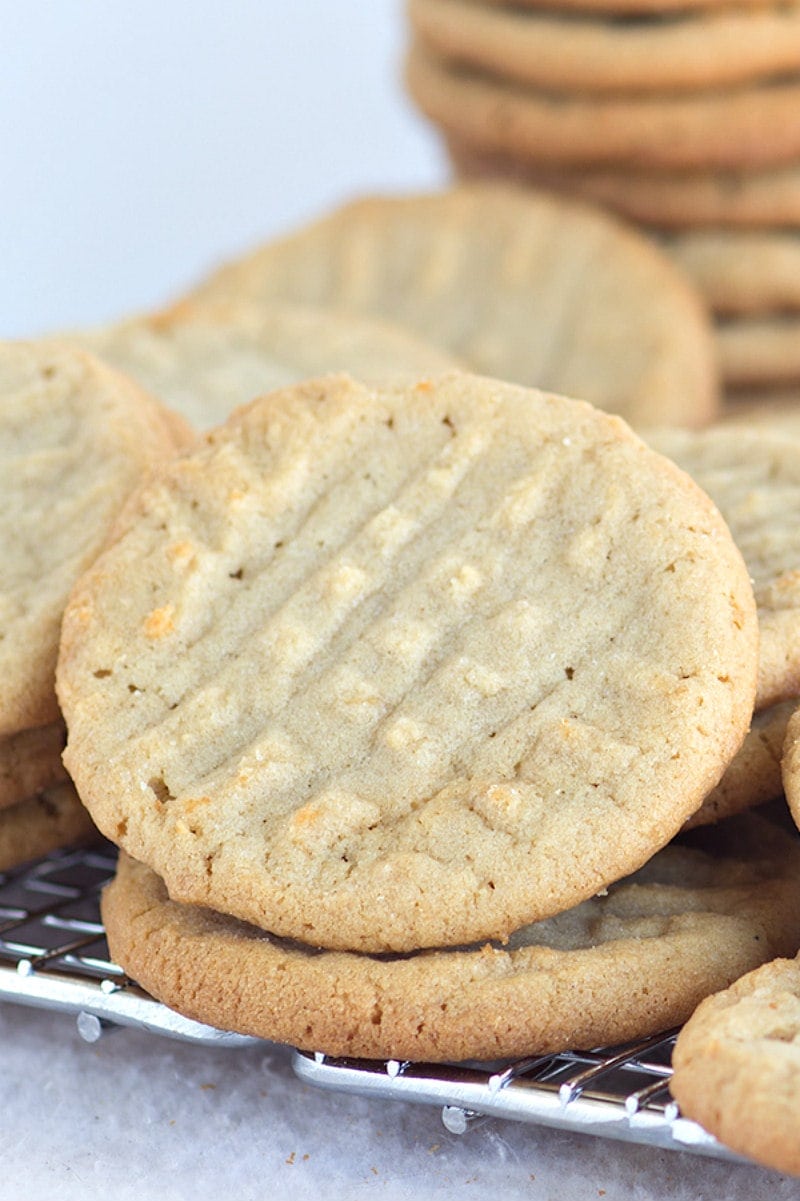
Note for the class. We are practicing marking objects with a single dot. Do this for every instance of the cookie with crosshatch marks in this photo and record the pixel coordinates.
(390, 667)
(755, 480)
(75, 440)
(516, 284)
(737, 1065)
(204, 360)
(619, 966)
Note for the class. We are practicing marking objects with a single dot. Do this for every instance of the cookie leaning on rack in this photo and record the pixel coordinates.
(620, 966)
(386, 653)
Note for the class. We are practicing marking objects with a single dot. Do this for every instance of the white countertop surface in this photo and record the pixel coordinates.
(137, 1116)
(141, 144)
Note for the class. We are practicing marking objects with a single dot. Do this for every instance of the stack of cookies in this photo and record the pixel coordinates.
(751, 280)
(683, 115)
(76, 440)
(736, 1062)
(426, 709)
(411, 687)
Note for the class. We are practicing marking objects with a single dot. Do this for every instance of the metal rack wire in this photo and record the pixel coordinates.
(54, 955)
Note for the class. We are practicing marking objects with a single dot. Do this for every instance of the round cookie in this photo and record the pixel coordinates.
(205, 361)
(776, 410)
(746, 199)
(742, 271)
(75, 440)
(31, 760)
(737, 1066)
(754, 125)
(756, 485)
(619, 966)
(388, 656)
(753, 776)
(520, 286)
(751, 280)
(52, 818)
(575, 53)
(759, 350)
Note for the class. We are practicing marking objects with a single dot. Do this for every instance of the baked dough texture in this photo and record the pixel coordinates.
(774, 409)
(754, 775)
(742, 271)
(45, 821)
(31, 760)
(751, 125)
(760, 351)
(75, 440)
(204, 360)
(756, 484)
(515, 284)
(385, 668)
(790, 765)
(589, 53)
(703, 198)
(619, 966)
(737, 1066)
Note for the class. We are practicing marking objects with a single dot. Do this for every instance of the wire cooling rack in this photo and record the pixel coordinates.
(54, 955)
